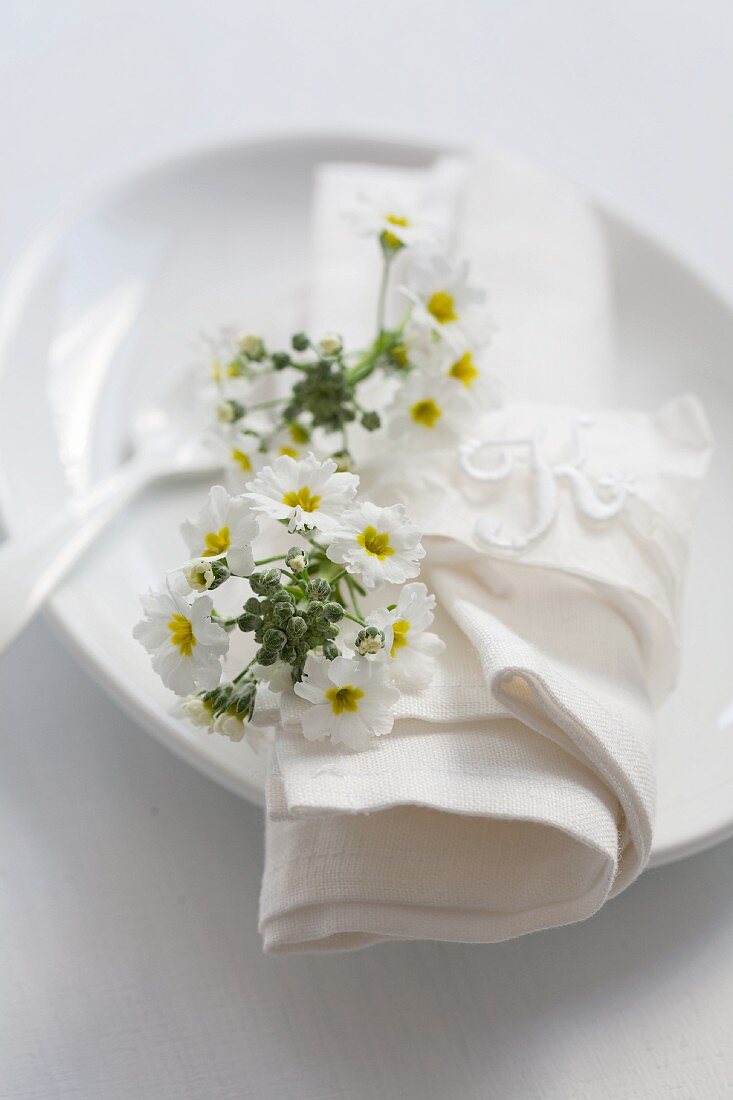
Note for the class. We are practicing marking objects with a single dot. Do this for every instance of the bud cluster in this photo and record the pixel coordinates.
(290, 620)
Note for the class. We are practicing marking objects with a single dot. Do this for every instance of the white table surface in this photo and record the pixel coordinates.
(130, 964)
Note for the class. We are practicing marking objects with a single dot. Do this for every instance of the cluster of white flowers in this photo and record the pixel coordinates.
(443, 335)
(282, 430)
(435, 354)
(304, 614)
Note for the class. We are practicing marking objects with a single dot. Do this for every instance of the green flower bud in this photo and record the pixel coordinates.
(249, 622)
(265, 584)
(390, 242)
(369, 640)
(296, 628)
(274, 640)
(333, 612)
(315, 609)
(204, 575)
(289, 654)
(344, 461)
(330, 651)
(282, 611)
(266, 656)
(300, 341)
(271, 580)
(331, 344)
(280, 360)
(227, 412)
(296, 559)
(253, 347)
(252, 605)
(371, 421)
(318, 589)
(219, 699)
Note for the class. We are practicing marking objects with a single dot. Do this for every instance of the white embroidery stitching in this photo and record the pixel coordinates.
(545, 479)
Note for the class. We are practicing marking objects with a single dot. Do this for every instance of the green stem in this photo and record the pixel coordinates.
(354, 619)
(386, 340)
(364, 366)
(227, 624)
(275, 557)
(268, 404)
(382, 300)
(354, 600)
(243, 673)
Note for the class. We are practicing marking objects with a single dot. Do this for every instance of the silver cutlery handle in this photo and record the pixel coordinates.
(33, 562)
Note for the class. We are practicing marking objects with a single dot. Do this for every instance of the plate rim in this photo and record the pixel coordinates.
(29, 259)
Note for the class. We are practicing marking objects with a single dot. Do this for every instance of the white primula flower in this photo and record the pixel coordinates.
(252, 346)
(199, 713)
(352, 700)
(461, 368)
(331, 343)
(200, 574)
(379, 545)
(307, 493)
(294, 440)
(232, 725)
(427, 409)
(240, 456)
(444, 303)
(225, 527)
(185, 645)
(385, 218)
(410, 645)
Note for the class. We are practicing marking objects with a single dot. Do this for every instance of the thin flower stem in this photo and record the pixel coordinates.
(384, 343)
(354, 600)
(243, 673)
(268, 404)
(354, 619)
(227, 624)
(275, 557)
(382, 301)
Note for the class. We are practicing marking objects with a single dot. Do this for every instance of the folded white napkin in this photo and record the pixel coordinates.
(517, 791)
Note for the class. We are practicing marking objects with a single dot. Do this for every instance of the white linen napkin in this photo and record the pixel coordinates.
(517, 791)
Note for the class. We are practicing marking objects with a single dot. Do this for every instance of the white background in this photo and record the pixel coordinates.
(131, 965)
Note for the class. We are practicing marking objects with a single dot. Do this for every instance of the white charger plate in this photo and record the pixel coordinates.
(107, 302)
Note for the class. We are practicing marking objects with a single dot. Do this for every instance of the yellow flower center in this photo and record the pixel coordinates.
(401, 629)
(298, 433)
(242, 460)
(217, 542)
(391, 240)
(302, 499)
(375, 542)
(182, 634)
(464, 370)
(426, 413)
(289, 451)
(344, 698)
(442, 306)
(233, 369)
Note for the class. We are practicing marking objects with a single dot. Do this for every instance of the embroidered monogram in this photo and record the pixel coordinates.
(597, 499)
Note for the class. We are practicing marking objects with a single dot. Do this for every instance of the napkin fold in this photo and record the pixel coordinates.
(516, 792)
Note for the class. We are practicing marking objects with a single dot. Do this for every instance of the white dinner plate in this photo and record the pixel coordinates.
(106, 303)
